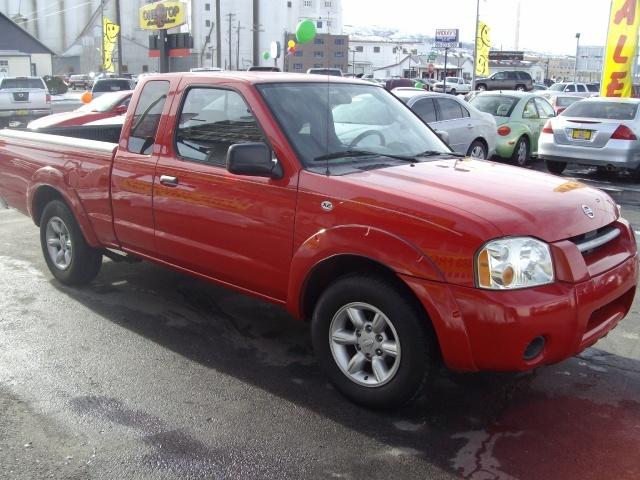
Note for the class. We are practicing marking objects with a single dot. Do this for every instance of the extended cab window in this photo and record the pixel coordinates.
(210, 121)
(147, 116)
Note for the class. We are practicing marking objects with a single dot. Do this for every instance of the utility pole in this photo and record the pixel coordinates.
(101, 35)
(218, 36)
(575, 69)
(117, 3)
(238, 48)
(230, 18)
(256, 32)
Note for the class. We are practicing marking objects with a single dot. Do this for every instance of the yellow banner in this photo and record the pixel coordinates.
(162, 15)
(110, 32)
(483, 45)
(622, 43)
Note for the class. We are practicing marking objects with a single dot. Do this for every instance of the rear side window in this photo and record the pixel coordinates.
(22, 83)
(524, 76)
(147, 117)
(544, 109)
(449, 109)
(581, 88)
(592, 87)
(210, 121)
(425, 109)
(605, 110)
(570, 88)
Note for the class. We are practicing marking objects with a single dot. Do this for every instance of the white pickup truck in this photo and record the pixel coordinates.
(23, 99)
(455, 85)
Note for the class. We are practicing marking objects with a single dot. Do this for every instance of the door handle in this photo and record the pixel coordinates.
(168, 181)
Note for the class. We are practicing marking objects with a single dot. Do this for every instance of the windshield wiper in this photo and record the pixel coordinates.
(435, 153)
(362, 153)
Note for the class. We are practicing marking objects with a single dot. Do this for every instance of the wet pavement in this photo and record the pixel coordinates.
(148, 373)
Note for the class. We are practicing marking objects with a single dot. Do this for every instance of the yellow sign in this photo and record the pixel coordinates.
(162, 15)
(110, 32)
(622, 43)
(483, 44)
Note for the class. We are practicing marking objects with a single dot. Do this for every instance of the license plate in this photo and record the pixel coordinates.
(22, 112)
(581, 134)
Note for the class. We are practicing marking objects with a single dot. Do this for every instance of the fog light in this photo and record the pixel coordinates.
(534, 348)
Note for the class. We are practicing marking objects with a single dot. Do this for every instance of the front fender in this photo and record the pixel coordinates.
(53, 178)
(388, 249)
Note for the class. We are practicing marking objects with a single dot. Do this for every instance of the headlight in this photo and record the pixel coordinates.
(510, 263)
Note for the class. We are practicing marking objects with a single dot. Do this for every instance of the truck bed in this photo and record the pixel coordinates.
(76, 166)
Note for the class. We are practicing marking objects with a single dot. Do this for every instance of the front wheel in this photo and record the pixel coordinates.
(373, 342)
(556, 167)
(453, 91)
(69, 258)
(521, 153)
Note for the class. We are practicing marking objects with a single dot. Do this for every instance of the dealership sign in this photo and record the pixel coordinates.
(162, 15)
(447, 38)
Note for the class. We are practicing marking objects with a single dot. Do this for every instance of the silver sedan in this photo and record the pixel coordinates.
(470, 131)
(600, 131)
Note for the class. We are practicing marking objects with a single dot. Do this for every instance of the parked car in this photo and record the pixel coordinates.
(599, 131)
(393, 83)
(509, 80)
(561, 101)
(23, 99)
(105, 85)
(333, 72)
(520, 117)
(105, 106)
(455, 85)
(470, 131)
(577, 89)
(400, 253)
(539, 86)
(80, 81)
(257, 68)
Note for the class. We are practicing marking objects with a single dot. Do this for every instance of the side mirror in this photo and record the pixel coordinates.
(252, 159)
(444, 136)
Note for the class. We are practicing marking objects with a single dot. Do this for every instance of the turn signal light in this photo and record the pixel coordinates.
(623, 133)
(547, 127)
(504, 130)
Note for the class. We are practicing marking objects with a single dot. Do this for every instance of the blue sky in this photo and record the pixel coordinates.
(546, 25)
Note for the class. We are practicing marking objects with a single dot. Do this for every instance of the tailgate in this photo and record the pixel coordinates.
(24, 99)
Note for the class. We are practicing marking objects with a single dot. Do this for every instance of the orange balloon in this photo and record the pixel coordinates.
(86, 97)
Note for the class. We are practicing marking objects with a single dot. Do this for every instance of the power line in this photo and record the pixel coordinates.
(54, 13)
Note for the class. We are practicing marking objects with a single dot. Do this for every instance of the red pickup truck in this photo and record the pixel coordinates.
(330, 197)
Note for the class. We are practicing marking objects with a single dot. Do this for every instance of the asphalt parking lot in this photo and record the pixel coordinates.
(148, 373)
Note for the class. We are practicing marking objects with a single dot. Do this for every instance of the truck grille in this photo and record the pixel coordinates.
(590, 241)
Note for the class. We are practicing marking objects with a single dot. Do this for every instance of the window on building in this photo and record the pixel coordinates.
(339, 41)
(297, 66)
(289, 4)
(147, 116)
(4, 63)
(299, 53)
(210, 121)
(207, 55)
(145, 68)
(319, 24)
(207, 23)
(327, 3)
(308, 3)
(359, 48)
(395, 50)
(376, 49)
(328, 23)
(338, 54)
(317, 65)
(318, 41)
(207, 6)
(318, 54)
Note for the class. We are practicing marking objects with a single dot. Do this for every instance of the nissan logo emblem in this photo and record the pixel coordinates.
(587, 211)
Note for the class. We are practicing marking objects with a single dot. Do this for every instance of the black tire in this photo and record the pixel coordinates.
(475, 145)
(85, 261)
(521, 88)
(453, 91)
(481, 87)
(556, 167)
(418, 345)
(517, 158)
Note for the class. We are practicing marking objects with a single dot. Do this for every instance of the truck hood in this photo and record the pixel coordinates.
(516, 201)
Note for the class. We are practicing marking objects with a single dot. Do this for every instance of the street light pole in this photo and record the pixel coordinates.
(575, 71)
(475, 46)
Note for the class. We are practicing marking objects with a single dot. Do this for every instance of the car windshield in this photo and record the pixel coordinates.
(322, 119)
(558, 87)
(496, 105)
(604, 110)
(103, 103)
(22, 83)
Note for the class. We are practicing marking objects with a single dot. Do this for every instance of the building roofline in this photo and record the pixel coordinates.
(2, 15)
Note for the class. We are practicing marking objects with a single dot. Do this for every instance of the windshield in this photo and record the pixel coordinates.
(604, 110)
(558, 87)
(103, 103)
(496, 105)
(324, 118)
(22, 83)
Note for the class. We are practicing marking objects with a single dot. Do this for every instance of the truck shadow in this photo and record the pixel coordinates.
(578, 419)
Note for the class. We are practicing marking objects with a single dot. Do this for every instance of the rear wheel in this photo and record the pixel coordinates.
(477, 149)
(372, 341)
(453, 91)
(556, 167)
(521, 153)
(481, 87)
(69, 258)
(520, 88)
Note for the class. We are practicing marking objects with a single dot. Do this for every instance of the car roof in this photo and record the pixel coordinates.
(633, 101)
(260, 77)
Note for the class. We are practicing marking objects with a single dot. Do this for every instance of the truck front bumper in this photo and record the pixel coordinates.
(494, 330)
